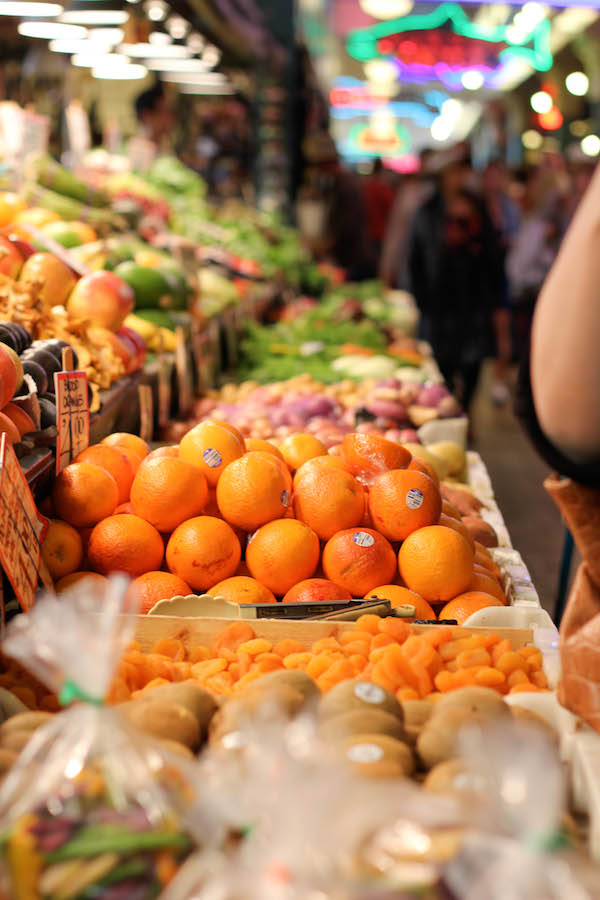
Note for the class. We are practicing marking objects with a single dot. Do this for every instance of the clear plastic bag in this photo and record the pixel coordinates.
(92, 808)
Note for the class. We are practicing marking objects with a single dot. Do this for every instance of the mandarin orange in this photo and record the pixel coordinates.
(436, 562)
(359, 559)
(403, 500)
(127, 544)
(282, 553)
(252, 491)
(329, 500)
(167, 490)
(203, 551)
(84, 493)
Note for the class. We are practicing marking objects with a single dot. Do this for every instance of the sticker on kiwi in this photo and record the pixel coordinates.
(363, 539)
(364, 753)
(285, 498)
(212, 457)
(414, 498)
(368, 692)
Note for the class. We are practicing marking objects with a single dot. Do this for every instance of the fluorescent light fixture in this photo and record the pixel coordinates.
(123, 72)
(109, 36)
(451, 109)
(95, 57)
(441, 128)
(207, 89)
(591, 145)
(472, 79)
(156, 10)
(194, 78)
(532, 140)
(160, 39)
(541, 102)
(195, 42)
(35, 10)
(177, 27)
(151, 51)
(577, 83)
(176, 65)
(62, 46)
(49, 30)
(95, 17)
(211, 55)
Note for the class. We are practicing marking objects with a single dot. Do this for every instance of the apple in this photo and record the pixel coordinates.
(102, 337)
(103, 298)
(139, 343)
(54, 279)
(11, 259)
(25, 248)
(131, 350)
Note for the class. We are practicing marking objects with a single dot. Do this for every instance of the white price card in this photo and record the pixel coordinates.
(72, 416)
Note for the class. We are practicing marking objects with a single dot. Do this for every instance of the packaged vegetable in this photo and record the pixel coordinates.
(92, 808)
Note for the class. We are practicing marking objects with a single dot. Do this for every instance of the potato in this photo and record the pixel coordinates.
(478, 700)
(416, 714)
(438, 739)
(169, 721)
(481, 531)
(421, 452)
(188, 694)
(26, 721)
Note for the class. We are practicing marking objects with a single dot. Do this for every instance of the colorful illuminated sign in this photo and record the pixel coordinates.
(350, 98)
(367, 141)
(446, 43)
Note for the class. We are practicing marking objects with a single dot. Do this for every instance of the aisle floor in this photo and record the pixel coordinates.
(517, 474)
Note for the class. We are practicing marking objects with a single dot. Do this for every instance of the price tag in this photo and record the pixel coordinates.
(146, 412)
(184, 372)
(22, 528)
(164, 386)
(72, 416)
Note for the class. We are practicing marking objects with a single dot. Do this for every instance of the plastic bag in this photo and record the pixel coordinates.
(92, 808)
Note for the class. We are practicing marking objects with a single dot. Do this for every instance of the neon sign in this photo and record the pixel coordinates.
(365, 140)
(350, 98)
(445, 43)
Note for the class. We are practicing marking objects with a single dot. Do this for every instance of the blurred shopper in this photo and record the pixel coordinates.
(156, 117)
(455, 274)
(378, 196)
(505, 217)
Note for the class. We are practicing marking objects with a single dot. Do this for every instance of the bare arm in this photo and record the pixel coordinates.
(565, 343)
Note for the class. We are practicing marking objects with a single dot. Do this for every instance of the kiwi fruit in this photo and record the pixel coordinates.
(437, 741)
(416, 714)
(272, 701)
(293, 678)
(188, 694)
(441, 779)
(378, 755)
(529, 717)
(357, 695)
(164, 719)
(478, 700)
(361, 721)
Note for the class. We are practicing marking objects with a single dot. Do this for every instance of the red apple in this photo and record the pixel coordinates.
(25, 248)
(139, 342)
(103, 298)
(131, 350)
(103, 337)
(11, 259)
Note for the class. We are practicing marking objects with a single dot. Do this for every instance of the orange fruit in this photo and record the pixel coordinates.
(10, 207)
(298, 448)
(366, 456)
(210, 448)
(262, 454)
(172, 450)
(203, 551)
(436, 562)
(401, 596)
(487, 584)
(265, 446)
(242, 589)
(282, 553)
(230, 428)
(329, 500)
(482, 570)
(457, 525)
(90, 579)
(317, 463)
(115, 462)
(483, 557)
(317, 590)
(8, 427)
(461, 607)
(20, 419)
(449, 509)
(211, 507)
(420, 465)
(166, 491)
(125, 509)
(84, 493)
(122, 439)
(62, 550)
(8, 376)
(252, 491)
(403, 500)
(125, 544)
(359, 559)
(136, 459)
(154, 586)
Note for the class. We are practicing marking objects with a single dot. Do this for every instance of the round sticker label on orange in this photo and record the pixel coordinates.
(363, 539)
(285, 498)
(414, 498)
(364, 753)
(212, 457)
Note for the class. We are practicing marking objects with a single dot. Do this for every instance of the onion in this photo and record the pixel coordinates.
(387, 409)
(448, 407)
(431, 395)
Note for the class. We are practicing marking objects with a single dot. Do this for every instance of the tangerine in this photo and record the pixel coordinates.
(262, 454)
(242, 589)
(403, 500)
(166, 491)
(210, 448)
(457, 525)
(132, 442)
(62, 549)
(282, 553)
(115, 463)
(366, 456)
(125, 543)
(317, 463)
(487, 584)
(317, 590)
(298, 448)
(230, 428)
(463, 606)
(151, 587)
(203, 551)
(252, 491)
(421, 465)
(329, 500)
(265, 446)
(359, 559)
(436, 562)
(401, 596)
(8, 377)
(85, 493)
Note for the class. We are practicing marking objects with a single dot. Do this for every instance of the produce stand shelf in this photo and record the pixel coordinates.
(38, 467)
(119, 410)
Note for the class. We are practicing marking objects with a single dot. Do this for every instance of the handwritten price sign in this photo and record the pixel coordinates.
(22, 528)
(72, 416)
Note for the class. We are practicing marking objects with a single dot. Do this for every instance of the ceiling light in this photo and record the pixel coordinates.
(62, 46)
(123, 72)
(33, 9)
(207, 89)
(472, 79)
(160, 39)
(591, 145)
(151, 51)
(541, 102)
(531, 140)
(577, 83)
(108, 36)
(95, 57)
(533, 12)
(386, 9)
(194, 77)
(451, 109)
(211, 55)
(195, 42)
(177, 27)
(176, 65)
(441, 129)
(95, 17)
(156, 10)
(49, 30)
(579, 128)
(551, 120)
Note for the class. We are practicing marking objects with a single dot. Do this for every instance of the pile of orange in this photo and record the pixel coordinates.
(256, 523)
